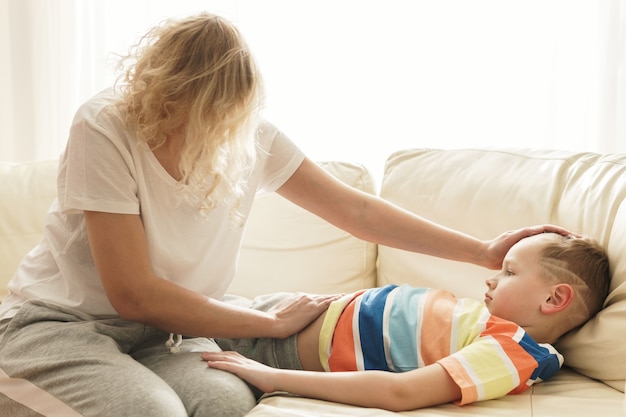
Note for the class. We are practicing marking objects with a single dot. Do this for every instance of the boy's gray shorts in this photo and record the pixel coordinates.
(277, 353)
(55, 361)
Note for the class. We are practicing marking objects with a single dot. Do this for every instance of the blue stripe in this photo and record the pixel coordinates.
(403, 328)
(547, 362)
(371, 327)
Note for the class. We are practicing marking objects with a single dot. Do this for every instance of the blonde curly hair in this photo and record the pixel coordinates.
(196, 79)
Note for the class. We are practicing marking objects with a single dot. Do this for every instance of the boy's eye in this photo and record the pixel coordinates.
(509, 272)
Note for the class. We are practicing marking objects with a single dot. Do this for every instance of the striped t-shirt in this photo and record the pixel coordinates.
(400, 328)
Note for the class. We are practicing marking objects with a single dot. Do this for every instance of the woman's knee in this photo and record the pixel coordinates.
(203, 390)
(154, 404)
(226, 395)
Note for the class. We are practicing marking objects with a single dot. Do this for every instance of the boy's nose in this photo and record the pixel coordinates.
(491, 283)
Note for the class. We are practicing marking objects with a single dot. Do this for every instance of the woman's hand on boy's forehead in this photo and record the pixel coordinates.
(551, 228)
(497, 248)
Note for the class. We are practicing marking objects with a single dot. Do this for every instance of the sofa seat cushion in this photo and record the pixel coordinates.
(486, 192)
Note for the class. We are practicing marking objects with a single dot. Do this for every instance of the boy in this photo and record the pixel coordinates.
(440, 348)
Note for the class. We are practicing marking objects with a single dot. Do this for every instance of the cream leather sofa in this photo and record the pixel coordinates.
(482, 192)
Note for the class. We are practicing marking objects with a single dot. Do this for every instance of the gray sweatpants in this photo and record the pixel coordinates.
(60, 362)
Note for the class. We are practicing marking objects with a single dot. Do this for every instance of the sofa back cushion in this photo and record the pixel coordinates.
(286, 248)
(26, 191)
(486, 192)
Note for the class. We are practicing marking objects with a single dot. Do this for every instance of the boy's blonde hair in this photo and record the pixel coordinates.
(195, 78)
(581, 262)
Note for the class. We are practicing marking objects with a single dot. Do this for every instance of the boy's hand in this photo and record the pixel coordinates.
(249, 370)
(496, 249)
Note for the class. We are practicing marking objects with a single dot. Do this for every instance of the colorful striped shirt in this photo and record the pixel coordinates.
(401, 328)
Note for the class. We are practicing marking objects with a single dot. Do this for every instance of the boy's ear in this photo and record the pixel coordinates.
(561, 295)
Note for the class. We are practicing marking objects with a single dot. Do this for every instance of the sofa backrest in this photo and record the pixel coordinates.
(286, 248)
(486, 192)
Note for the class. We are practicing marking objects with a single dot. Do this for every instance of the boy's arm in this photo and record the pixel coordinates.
(411, 390)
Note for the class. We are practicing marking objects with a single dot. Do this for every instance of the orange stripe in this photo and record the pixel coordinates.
(524, 362)
(31, 396)
(469, 391)
(342, 355)
(503, 326)
(437, 326)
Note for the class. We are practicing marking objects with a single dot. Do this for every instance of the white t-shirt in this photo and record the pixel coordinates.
(105, 169)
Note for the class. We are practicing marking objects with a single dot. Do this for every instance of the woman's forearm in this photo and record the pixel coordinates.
(173, 308)
(374, 219)
(407, 231)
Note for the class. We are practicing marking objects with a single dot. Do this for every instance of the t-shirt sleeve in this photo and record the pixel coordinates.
(279, 156)
(96, 172)
(498, 364)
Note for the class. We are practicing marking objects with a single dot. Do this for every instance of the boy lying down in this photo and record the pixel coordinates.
(423, 347)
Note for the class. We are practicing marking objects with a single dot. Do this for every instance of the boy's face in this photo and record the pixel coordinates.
(517, 291)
